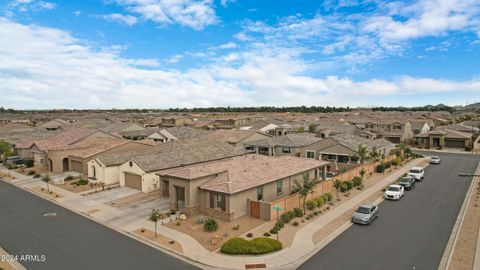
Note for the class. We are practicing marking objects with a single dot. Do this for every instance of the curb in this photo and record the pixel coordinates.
(452, 241)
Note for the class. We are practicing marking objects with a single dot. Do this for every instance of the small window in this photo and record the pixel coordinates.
(310, 154)
(396, 127)
(286, 150)
(316, 173)
(218, 200)
(259, 193)
(279, 187)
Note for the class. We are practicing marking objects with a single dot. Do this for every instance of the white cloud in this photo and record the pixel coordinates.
(120, 18)
(77, 13)
(225, 3)
(228, 45)
(175, 58)
(42, 67)
(196, 14)
(31, 5)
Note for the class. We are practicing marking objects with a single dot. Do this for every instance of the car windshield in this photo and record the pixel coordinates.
(405, 180)
(415, 171)
(363, 210)
(435, 157)
(393, 189)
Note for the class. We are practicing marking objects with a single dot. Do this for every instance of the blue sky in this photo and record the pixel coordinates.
(185, 53)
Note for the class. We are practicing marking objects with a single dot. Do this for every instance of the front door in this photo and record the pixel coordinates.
(180, 197)
(166, 188)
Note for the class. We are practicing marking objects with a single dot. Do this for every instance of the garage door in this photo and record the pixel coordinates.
(455, 143)
(77, 166)
(133, 181)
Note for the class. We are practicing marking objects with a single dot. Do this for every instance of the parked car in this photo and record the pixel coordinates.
(14, 160)
(417, 173)
(435, 160)
(394, 192)
(407, 182)
(365, 214)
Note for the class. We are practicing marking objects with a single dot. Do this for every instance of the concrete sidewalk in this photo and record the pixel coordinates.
(291, 257)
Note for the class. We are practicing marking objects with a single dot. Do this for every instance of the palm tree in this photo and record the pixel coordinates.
(155, 217)
(304, 188)
(46, 178)
(362, 153)
(337, 184)
(373, 154)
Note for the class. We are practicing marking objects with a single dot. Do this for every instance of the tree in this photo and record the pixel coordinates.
(155, 217)
(312, 128)
(362, 173)
(304, 188)
(362, 153)
(373, 154)
(46, 178)
(337, 185)
(4, 147)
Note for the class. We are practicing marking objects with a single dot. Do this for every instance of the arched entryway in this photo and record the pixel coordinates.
(50, 165)
(65, 164)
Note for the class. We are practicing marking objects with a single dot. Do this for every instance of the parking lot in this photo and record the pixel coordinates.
(410, 233)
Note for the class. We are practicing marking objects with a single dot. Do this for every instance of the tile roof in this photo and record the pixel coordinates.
(63, 139)
(231, 135)
(352, 142)
(183, 133)
(289, 140)
(245, 172)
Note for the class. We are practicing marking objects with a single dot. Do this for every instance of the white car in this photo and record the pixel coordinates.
(394, 192)
(435, 160)
(417, 173)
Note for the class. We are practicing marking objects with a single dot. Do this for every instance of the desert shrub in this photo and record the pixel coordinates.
(312, 204)
(28, 163)
(388, 165)
(210, 225)
(298, 212)
(349, 184)
(287, 217)
(37, 175)
(329, 195)
(266, 234)
(236, 228)
(325, 197)
(32, 172)
(319, 201)
(250, 235)
(380, 168)
(295, 223)
(357, 181)
(257, 246)
(343, 187)
(395, 162)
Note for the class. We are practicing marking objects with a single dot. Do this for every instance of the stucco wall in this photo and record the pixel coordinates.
(150, 181)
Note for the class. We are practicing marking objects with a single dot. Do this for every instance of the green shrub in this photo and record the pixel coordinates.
(298, 212)
(312, 204)
(380, 168)
(37, 175)
(357, 181)
(257, 246)
(343, 187)
(273, 231)
(236, 228)
(349, 184)
(324, 197)
(388, 165)
(395, 162)
(32, 172)
(295, 223)
(210, 225)
(329, 195)
(250, 235)
(28, 163)
(68, 178)
(266, 234)
(319, 201)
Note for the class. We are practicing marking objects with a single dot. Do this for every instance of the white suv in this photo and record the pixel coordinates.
(416, 173)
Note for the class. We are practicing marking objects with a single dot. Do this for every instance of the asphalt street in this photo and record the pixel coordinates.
(68, 240)
(409, 234)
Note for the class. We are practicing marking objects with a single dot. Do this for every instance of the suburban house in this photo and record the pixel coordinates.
(236, 137)
(54, 124)
(166, 134)
(224, 188)
(280, 130)
(136, 169)
(290, 144)
(343, 148)
(444, 138)
(420, 127)
(118, 128)
(396, 131)
(172, 121)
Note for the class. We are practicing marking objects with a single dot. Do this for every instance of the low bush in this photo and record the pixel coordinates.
(349, 184)
(236, 228)
(312, 204)
(380, 168)
(28, 163)
(329, 195)
(266, 234)
(357, 181)
(319, 201)
(31, 172)
(287, 217)
(298, 212)
(257, 246)
(388, 165)
(395, 162)
(37, 175)
(68, 178)
(325, 198)
(343, 187)
(210, 225)
(250, 235)
(295, 223)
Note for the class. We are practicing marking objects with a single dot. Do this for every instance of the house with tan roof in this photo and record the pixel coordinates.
(444, 138)
(224, 188)
(54, 124)
(235, 137)
(290, 144)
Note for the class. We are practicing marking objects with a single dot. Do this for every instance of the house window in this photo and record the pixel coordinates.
(332, 157)
(218, 200)
(397, 127)
(310, 154)
(285, 150)
(250, 149)
(370, 126)
(316, 173)
(279, 187)
(94, 172)
(260, 193)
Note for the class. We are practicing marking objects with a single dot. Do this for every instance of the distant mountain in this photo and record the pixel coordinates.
(473, 106)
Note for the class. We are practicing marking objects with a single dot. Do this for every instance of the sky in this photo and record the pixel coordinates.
(103, 54)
